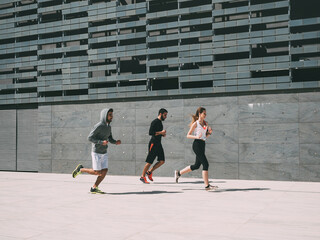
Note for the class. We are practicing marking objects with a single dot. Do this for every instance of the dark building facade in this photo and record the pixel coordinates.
(69, 50)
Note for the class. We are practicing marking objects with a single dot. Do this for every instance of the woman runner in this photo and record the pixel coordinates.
(199, 131)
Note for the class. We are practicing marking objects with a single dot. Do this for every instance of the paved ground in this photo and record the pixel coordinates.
(38, 206)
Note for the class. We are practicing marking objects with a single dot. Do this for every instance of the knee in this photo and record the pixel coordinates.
(161, 162)
(98, 173)
(194, 167)
(104, 172)
(205, 166)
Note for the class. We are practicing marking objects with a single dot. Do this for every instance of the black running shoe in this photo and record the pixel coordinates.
(96, 190)
(210, 187)
(176, 176)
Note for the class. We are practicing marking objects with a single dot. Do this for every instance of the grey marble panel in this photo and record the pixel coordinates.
(27, 120)
(215, 153)
(7, 139)
(175, 134)
(44, 151)
(71, 107)
(156, 105)
(269, 113)
(71, 119)
(44, 135)
(125, 134)
(44, 109)
(173, 151)
(122, 152)
(142, 134)
(310, 154)
(223, 171)
(144, 117)
(187, 113)
(115, 105)
(71, 151)
(44, 119)
(189, 155)
(211, 101)
(45, 166)
(70, 135)
(123, 117)
(309, 112)
(121, 168)
(175, 115)
(222, 153)
(219, 114)
(141, 152)
(224, 134)
(268, 133)
(27, 142)
(67, 165)
(310, 173)
(8, 160)
(269, 98)
(222, 114)
(27, 162)
(260, 171)
(309, 132)
(269, 153)
(7, 119)
(309, 97)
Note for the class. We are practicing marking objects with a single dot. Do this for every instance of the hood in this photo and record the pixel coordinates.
(103, 115)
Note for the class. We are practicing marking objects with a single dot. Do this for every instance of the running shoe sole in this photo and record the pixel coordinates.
(76, 171)
(144, 180)
(150, 176)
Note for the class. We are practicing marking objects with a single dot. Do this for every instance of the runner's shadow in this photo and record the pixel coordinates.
(194, 182)
(142, 193)
(159, 183)
(240, 189)
(230, 189)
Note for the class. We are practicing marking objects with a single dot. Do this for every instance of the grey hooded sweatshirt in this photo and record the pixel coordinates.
(100, 132)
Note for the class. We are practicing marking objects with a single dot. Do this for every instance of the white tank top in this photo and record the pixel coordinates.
(199, 129)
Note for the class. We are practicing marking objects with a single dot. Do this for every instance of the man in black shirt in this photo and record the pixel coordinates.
(155, 147)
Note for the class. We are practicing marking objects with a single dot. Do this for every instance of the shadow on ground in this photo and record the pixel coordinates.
(144, 192)
(241, 189)
(194, 182)
(229, 190)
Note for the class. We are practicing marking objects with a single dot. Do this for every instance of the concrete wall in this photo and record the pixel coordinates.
(27, 140)
(18, 140)
(8, 140)
(273, 137)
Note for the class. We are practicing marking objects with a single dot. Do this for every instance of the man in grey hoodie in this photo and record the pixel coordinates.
(100, 136)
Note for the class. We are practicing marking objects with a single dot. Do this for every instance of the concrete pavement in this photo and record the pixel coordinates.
(39, 206)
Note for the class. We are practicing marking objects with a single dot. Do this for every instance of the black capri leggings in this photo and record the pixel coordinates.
(199, 147)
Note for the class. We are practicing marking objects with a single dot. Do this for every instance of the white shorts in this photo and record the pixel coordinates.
(99, 161)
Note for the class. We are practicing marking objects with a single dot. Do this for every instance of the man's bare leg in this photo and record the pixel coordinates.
(157, 165)
(100, 177)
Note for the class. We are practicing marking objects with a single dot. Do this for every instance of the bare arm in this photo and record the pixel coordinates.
(190, 135)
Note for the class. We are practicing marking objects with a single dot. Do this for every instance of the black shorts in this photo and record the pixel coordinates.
(155, 149)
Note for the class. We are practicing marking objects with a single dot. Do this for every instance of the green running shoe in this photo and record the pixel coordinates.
(96, 191)
(77, 171)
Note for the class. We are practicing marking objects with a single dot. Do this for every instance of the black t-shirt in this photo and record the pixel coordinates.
(156, 126)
